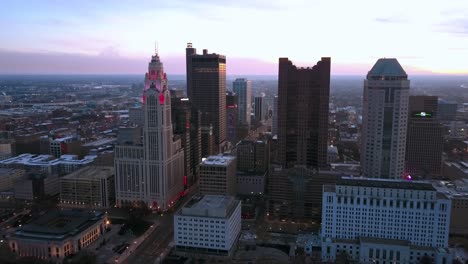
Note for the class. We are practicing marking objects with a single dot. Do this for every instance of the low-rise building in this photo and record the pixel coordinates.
(89, 187)
(58, 234)
(8, 178)
(208, 223)
(218, 175)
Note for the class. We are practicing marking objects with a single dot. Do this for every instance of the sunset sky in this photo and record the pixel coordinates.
(76, 37)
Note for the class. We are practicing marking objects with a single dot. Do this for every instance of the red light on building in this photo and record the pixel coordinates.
(161, 99)
(187, 125)
(231, 106)
(185, 180)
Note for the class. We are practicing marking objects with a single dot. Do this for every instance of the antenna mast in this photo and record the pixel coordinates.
(156, 47)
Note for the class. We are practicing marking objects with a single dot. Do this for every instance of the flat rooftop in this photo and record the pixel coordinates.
(100, 142)
(46, 160)
(218, 160)
(385, 183)
(59, 224)
(218, 206)
(385, 241)
(91, 172)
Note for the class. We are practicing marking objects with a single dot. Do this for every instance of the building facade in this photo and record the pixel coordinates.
(364, 216)
(89, 187)
(274, 121)
(218, 175)
(58, 234)
(152, 174)
(232, 116)
(206, 88)
(243, 88)
(384, 120)
(259, 106)
(425, 139)
(303, 97)
(209, 223)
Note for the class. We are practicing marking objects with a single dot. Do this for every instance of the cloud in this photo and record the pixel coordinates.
(456, 26)
(391, 19)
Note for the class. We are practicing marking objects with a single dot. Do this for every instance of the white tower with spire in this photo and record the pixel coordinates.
(152, 173)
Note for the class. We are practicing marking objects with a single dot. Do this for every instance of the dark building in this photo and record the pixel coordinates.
(303, 114)
(206, 88)
(186, 122)
(425, 142)
(259, 108)
(253, 156)
(232, 115)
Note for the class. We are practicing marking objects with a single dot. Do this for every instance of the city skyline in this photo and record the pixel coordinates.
(113, 37)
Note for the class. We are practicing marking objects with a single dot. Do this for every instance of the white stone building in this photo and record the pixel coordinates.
(375, 220)
(209, 223)
(151, 173)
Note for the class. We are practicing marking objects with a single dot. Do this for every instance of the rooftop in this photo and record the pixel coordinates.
(218, 160)
(91, 172)
(46, 160)
(385, 241)
(389, 67)
(59, 224)
(219, 206)
(100, 142)
(385, 183)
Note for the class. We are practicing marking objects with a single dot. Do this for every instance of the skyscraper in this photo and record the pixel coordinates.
(385, 116)
(243, 88)
(259, 108)
(274, 121)
(151, 174)
(303, 96)
(425, 142)
(206, 88)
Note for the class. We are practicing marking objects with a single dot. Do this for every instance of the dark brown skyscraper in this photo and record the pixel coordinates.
(206, 88)
(424, 145)
(303, 95)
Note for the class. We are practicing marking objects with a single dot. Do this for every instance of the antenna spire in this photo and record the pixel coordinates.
(156, 47)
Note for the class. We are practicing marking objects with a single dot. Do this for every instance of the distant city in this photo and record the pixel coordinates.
(299, 167)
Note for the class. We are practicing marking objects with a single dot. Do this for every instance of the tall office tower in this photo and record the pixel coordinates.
(425, 141)
(185, 121)
(206, 88)
(384, 118)
(253, 156)
(385, 221)
(218, 175)
(259, 108)
(232, 116)
(243, 88)
(151, 174)
(274, 121)
(303, 96)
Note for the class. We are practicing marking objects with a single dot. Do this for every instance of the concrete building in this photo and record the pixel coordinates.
(274, 121)
(129, 135)
(65, 145)
(8, 178)
(47, 163)
(425, 141)
(232, 112)
(385, 220)
(385, 116)
(36, 185)
(208, 223)
(136, 116)
(58, 234)
(89, 187)
(243, 88)
(218, 175)
(251, 182)
(206, 88)
(457, 191)
(303, 98)
(151, 174)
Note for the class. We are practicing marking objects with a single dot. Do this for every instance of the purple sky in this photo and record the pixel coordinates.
(95, 37)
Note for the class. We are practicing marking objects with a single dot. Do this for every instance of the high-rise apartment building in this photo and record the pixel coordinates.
(218, 175)
(232, 116)
(186, 125)
(385, 221)
(243, 89)
(425, 139)
(303, 97)
(206, 88)
(259, 107)
(385, 116)
(151, 173)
